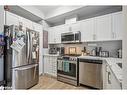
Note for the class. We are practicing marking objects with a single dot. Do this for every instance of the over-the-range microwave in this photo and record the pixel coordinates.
(71, 37)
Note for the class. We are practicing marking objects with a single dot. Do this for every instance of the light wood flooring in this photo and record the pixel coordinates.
(48, 82)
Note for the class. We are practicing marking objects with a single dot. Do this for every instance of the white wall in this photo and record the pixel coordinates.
(45, 25)
(34, 11)
(61, 10)
(43, 51)
(125, 49)
(1, 30)
(1, 18)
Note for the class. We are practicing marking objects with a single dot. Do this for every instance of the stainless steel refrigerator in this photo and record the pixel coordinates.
(21, 65)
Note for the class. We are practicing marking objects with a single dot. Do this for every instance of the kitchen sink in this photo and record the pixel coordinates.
(119, 64)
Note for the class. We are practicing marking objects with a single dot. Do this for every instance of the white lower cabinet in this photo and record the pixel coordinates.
(50, 65)
(109, 79)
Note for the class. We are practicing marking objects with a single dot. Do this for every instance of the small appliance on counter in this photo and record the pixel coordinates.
(84, 52)
(119, 53)
(97, 51)
(104, 54)
(53, 50)
(61, 51)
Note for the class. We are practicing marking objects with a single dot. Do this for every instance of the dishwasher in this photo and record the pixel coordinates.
(90, 73)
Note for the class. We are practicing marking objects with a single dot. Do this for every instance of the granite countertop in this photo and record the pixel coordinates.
(112, 63)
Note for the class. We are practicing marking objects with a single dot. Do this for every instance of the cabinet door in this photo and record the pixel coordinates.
(75, 27)
(27, 23)
(12, 19)
(51, 35)
(104, 69)
(72, 27)
(112, 82)
(87, 30)
(46, 64)
(57, 34)
(54, 64)
(115, 83)
(37, 27)
(50, 70)
(103, 27)
(117, 28)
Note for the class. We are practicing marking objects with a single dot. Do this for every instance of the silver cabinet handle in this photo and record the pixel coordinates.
(109, 75)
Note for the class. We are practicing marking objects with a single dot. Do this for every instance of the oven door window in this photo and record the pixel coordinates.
(68, 69)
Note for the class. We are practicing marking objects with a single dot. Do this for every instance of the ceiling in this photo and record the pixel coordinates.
(83, 12)
(56, 15)
(47, 9)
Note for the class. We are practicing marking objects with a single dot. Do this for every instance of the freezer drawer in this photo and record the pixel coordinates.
(25, 77)
(90, 74)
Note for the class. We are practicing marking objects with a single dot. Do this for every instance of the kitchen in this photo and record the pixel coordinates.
(72, 47)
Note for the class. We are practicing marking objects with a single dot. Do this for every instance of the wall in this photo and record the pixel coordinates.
(1, 30)
(43, 51)
(110, 46)
(1, 18)
(125, 49)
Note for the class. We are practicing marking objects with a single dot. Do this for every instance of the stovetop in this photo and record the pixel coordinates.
(69, 57)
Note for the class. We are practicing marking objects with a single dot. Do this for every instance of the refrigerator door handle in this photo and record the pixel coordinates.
(28, 46)
(25, 68)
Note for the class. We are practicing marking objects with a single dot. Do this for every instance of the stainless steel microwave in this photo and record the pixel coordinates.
(71, 37)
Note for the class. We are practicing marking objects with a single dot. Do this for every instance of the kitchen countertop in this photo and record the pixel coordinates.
(111, 62)
(54, 55)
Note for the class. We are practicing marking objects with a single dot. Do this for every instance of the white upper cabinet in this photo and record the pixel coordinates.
(103, 28)
(117, 25)
(12, 19)
(37, 27)
(87, 30)
(72, 27)
(51, 35)
(75, 27)
(55, 34)
(27, 23)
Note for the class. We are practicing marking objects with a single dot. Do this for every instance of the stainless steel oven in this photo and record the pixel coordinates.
(71, 37)
(67, 70)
